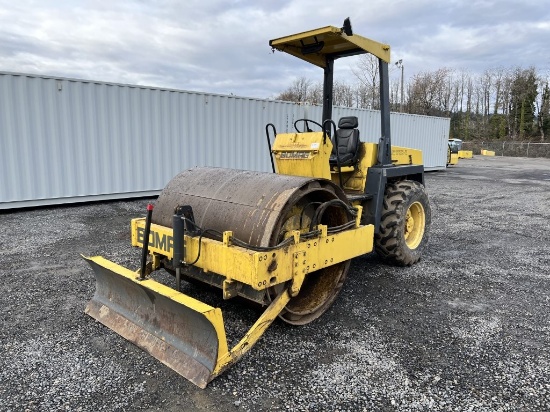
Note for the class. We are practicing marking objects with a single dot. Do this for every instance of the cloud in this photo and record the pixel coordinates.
(222, 46)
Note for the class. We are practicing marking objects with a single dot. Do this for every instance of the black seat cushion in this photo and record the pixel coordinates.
(348, 142)
(349, 122)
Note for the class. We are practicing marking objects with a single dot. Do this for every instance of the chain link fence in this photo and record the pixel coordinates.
(513, 149)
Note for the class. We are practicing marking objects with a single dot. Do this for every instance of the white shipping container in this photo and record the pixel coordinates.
(67, 140)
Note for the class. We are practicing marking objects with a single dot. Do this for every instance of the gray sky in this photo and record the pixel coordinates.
(222, 46)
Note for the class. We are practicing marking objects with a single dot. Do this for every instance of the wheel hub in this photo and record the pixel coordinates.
(415, 222)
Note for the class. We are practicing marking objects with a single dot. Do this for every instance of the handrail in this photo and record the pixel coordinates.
(269, 143)
(331, 122)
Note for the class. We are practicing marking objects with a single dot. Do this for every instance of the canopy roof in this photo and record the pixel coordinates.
(314, 46)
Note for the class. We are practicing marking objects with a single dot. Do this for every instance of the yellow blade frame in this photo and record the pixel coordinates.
(183, 333)
(188, 335)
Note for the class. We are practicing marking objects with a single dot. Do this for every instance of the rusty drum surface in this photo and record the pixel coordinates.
(260, 208)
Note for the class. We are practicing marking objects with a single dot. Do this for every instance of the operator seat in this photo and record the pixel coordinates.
(348, 142)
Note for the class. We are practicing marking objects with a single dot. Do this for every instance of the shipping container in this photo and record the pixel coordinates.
(68, 140)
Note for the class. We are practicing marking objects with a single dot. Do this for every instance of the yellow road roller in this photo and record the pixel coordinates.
(283, 240)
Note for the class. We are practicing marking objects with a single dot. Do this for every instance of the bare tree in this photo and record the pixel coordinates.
(464, 79)
(297, 92)
(455, 96)
(498, 76)
(429, 92)
(497, 103)
(486, 85)
(315, 93)
(395, 87)
(343, 94)
(367, 74)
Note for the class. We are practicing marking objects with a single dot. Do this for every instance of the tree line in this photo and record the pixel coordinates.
(501, 103)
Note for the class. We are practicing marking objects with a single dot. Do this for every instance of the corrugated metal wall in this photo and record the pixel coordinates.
(66, 140)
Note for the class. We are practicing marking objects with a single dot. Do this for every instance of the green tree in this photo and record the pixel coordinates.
(522, 102)
(497, 126)
(543, 115)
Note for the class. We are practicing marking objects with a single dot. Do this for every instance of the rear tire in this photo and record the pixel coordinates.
(404, 223)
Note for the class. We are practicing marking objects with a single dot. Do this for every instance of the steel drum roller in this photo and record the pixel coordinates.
(261, 209)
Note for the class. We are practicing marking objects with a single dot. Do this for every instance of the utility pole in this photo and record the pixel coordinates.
(399, 65)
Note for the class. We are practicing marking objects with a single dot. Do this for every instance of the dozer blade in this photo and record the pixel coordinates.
(183, 333)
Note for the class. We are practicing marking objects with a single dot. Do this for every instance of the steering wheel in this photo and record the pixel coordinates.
(307, 121)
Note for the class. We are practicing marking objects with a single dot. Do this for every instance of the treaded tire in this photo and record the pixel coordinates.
(391, 243)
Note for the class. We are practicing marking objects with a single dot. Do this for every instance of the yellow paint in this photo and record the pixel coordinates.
(355, 178)
(334, 41)
(225, 358)
(452, 158)
(406, 156)
(415, 224)
(302, 154)
(261, 270)
(487, 152)
(465, 154)
(299, 154)
(253, 335)
(213, 315)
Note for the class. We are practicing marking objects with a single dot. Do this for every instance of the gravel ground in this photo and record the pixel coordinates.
(466, 329)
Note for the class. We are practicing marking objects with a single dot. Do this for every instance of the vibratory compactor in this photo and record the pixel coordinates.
(282, 240)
